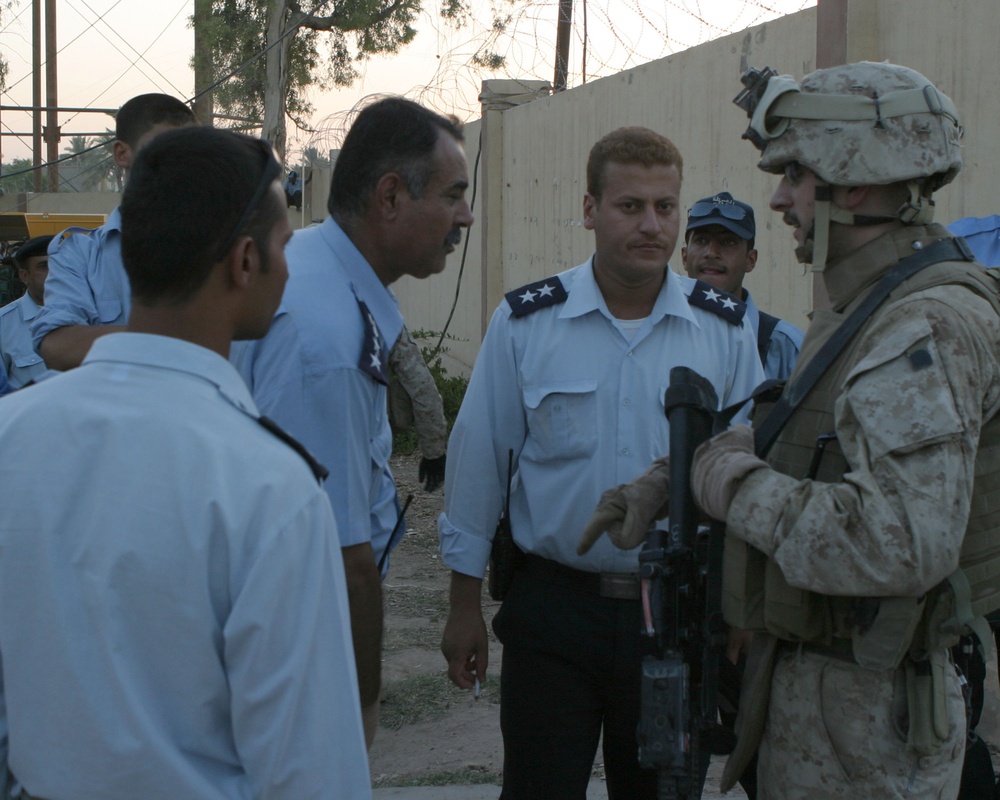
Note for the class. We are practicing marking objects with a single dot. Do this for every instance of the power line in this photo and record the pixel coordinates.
(70, 42)
(121, 52)
(140, 56)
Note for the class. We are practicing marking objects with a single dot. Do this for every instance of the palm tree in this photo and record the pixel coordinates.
(92, 166)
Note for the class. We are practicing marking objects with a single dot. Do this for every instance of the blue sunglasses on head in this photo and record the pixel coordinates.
(727, 210)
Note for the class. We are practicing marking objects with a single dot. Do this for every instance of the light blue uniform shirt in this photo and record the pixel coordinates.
(983, 236)
(582, 408)
(17, 353)
(313, 374)
(173, 612)
(783, 349)
(4, 384)
(87, 284)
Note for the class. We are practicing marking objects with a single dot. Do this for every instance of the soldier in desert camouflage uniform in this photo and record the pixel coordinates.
(849, 572)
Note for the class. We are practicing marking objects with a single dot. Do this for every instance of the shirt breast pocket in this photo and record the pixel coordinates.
(562, 419)
(26, 360)
(109, 311)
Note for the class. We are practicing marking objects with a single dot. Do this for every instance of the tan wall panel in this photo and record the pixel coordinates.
(688, 97)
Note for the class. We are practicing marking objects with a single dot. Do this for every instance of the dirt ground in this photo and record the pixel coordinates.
(431, 732)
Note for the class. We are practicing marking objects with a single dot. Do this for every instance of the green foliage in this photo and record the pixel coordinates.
(237, 32)
(94, 164)
(5, 8)
(331, 38)
(22, 182)
(450, 387)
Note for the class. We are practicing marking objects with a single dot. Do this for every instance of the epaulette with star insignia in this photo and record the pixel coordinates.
(725, 305)
(537, 295)
(374, 356)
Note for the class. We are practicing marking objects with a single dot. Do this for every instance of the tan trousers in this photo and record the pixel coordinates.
(830, 735)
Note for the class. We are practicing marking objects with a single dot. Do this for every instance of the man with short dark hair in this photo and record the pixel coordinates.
(19, 359)
(568, 387)
(173, 614)
(293, 190)
(87, 293)
(397, 205)
(719, 250)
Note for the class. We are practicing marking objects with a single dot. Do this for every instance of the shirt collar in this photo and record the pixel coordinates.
(585, 296)
(379, 299)
(114, 222)
(29, 308)
(165, 352)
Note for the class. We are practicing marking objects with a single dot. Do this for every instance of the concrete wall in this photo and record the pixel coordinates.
(535, 184)
(61, 202)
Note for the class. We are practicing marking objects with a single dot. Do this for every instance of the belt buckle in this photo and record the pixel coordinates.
(619, 586)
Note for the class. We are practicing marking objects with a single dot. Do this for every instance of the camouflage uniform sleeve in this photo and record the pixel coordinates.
(408, 366)
(908, 421)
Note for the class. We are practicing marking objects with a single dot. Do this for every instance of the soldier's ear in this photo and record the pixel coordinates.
(852, 197)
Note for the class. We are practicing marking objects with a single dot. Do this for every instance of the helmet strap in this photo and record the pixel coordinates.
(821, 225)
(918, 209)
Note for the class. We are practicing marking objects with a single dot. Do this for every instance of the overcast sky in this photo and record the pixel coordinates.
(111, 50)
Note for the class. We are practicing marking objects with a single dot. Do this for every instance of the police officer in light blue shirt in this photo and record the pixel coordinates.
(87, 292)
(397, 205)
(173, 612)
(570, 380)
(719, 250)
(22, 364)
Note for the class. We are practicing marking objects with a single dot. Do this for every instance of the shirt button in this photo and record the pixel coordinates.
(624, 451)
(629, 354)
(627, 402)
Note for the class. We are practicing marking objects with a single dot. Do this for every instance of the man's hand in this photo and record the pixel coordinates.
(719, 466)
(464, 643)
(431, 472)
(627, 512)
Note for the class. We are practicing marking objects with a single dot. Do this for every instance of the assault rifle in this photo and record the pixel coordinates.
(681, 574)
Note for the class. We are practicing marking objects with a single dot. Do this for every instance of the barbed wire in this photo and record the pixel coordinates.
(610, 36)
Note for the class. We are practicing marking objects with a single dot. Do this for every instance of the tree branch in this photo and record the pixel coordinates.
(355, 21)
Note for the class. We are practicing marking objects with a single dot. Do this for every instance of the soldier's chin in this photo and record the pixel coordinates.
(804, 252)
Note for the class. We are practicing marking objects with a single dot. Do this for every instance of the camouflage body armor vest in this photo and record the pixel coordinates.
(881, 630)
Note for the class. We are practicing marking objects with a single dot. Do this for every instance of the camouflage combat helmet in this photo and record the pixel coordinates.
(855, 125)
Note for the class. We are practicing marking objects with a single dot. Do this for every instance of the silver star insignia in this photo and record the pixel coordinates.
(712, 295)
(728, 303)
(528, 297)
(376, 362)
(546, 291)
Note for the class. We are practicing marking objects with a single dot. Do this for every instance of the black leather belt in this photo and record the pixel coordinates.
(614, 585)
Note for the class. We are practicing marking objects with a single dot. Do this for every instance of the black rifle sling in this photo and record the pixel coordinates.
(955, 249)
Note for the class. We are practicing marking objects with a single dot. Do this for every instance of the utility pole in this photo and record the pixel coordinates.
(51, 97)
(204, 105)
(562, 45)
(36, 92)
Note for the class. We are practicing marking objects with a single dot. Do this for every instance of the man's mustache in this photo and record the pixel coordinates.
(454, 237)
